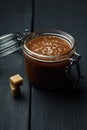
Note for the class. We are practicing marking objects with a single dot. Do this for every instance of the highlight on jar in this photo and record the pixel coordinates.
(49, 58)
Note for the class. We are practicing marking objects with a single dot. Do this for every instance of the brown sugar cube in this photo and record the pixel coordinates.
(16, 80)
(15, 91)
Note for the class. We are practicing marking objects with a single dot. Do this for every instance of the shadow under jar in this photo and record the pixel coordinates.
(47, 56)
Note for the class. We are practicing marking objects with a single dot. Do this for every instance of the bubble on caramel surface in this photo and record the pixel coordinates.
(49, 45)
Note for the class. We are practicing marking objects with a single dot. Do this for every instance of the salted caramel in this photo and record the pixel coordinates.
(47, 57)
(49, 45)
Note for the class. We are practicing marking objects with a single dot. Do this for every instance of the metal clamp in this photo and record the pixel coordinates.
(20, 37)
(74, 61)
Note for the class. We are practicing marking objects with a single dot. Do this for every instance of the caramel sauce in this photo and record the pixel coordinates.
(49, 45)
(47, 74)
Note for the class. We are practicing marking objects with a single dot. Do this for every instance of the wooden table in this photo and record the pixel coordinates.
(38, 109)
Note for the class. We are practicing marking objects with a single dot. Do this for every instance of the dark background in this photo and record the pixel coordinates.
(50, 110)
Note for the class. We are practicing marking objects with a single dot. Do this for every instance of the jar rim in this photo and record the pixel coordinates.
(46, 58)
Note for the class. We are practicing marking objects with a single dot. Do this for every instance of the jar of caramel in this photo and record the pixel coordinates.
(49, 56)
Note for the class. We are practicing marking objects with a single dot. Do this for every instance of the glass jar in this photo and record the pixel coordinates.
(50, 72)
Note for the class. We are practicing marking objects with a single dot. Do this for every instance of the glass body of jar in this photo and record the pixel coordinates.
(48, 72)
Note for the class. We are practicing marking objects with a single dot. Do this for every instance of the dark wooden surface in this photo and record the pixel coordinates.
(49, 110)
